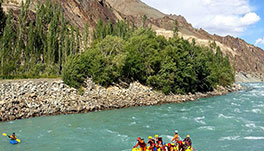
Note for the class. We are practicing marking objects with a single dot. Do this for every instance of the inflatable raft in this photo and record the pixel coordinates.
(138, 149)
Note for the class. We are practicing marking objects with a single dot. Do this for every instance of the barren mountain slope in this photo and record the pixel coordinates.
(135, 8)
(79, 12)
(247, 58)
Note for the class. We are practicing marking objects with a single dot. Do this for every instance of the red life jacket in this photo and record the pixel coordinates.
(142, 145)
(151, 142)
(180, 145)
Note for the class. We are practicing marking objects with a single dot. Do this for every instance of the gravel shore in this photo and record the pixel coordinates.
(20, 99)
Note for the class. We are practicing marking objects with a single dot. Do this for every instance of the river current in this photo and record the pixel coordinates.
(231, 122)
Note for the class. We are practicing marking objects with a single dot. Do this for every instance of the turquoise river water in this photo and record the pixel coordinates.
(232, 122)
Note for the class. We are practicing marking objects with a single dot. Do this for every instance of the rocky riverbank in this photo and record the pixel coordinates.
(21, 99)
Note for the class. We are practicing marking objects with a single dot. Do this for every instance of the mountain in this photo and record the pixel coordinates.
(248, 59)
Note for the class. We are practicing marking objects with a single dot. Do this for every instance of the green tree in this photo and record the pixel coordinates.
(86, 36)
(144, 19)
(175, 29)
(8, 40)
(2, 19)
(103, 62)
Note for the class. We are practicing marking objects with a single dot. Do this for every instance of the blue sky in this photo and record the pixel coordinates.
(239, 18)
(256, 31)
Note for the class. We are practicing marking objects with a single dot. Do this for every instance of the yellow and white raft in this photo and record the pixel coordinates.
(138, 149)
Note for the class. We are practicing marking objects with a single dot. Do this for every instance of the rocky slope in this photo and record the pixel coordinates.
(21, 99)
(247, 58)
(78, 12)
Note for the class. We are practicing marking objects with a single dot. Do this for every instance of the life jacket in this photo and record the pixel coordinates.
(180, 145)
(142, 144)
(186, 142)
(158, 146)
(160, 140)
(163, 147)
(173, 148)
(13, 138)
(168, 148)
(151, 142)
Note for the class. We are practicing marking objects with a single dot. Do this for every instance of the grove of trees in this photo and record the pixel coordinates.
(171, 66)
(36, 45)
(44, 44)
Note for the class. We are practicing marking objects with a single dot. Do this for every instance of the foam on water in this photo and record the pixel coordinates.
(234, 104)
(200, 120)
(210, 128)
(261, 127)
(256, 111)
(224, 116)
(229, 138)
(254, 138)
(147, 126)
(237, 110)
(252, 125)
(132, 123)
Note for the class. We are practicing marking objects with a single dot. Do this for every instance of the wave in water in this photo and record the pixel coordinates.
(251, 125)
(235, 104)
(210, 128)
(229, 138)
(123, 137)
(254, 138)
(256, 111)
(132, 123)
(200, 120)
(224, 116)
(237, 110)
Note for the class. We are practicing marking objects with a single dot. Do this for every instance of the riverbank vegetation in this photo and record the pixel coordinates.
(50, 46)
(126, 55)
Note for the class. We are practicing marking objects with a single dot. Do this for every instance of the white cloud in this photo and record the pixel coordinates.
(260, 41)
(250, 18)
(223, 17)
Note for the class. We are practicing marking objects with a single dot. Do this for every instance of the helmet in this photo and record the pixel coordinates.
(176, 131)
(150, 137)
(188, 136)
(138, 138)
(172, 144)
(156, 136)
(166, 145)
(183, 143)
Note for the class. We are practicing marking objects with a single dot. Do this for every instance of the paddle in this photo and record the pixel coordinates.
(18, 140)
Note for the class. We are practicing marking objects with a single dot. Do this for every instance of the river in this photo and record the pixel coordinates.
(231, 122)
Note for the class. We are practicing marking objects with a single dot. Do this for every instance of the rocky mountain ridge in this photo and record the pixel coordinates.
(248, 59)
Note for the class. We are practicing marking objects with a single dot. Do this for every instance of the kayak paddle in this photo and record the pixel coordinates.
(18, 140)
